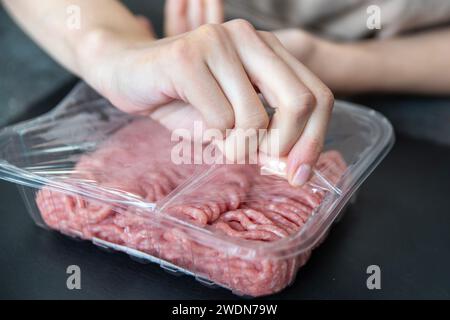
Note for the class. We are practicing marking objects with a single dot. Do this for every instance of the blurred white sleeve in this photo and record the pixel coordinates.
(343, 19)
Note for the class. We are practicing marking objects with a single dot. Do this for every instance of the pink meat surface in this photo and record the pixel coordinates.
(234, 200)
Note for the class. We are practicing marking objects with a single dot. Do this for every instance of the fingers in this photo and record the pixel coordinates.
(176, 20)
(214, 12)
(236, 60)
(185, 15)
(280, 86)
(196, 13)
(249, 112)
(203, 92)
(302, 102)
(201, 12)
(208, 98)
(307, 149)
(178, 115)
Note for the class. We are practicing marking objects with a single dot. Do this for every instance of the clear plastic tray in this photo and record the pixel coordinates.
(92, 172)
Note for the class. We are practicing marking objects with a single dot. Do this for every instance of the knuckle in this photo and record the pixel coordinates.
(314, 146)
(311, 147)
(270, 37)
(266, 34)
(182, 51)
(221, 121)
(247, 34)
(262, 121)
(295, 35)
(257, 121)
(228, 120)
(215, 123)
(326, 98)
(210, 31)
(242, 25)
(300, 106)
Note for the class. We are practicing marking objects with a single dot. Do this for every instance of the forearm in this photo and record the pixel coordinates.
(47, 22)
(412, 64)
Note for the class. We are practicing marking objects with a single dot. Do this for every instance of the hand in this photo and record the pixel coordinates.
(216, 69)
(185, 15)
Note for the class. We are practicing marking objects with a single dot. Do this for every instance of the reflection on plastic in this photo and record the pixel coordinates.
(278, 167)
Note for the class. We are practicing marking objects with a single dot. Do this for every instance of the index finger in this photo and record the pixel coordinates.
(306, 151)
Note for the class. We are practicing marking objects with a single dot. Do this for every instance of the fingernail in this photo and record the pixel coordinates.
(302, 175)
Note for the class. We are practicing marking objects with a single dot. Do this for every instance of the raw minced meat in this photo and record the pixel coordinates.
(233, 200)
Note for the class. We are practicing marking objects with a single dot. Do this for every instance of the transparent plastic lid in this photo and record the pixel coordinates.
(107, 176)
(86, 146)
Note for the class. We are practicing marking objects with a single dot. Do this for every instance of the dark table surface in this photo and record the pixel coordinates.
(400, 220)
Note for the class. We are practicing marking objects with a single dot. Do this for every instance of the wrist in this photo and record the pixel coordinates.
(97, 49)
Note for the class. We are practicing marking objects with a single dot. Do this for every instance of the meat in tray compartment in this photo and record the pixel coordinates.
(236, 201)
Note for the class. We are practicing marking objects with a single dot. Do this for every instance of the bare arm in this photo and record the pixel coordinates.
(418, 63)
(47, 23)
